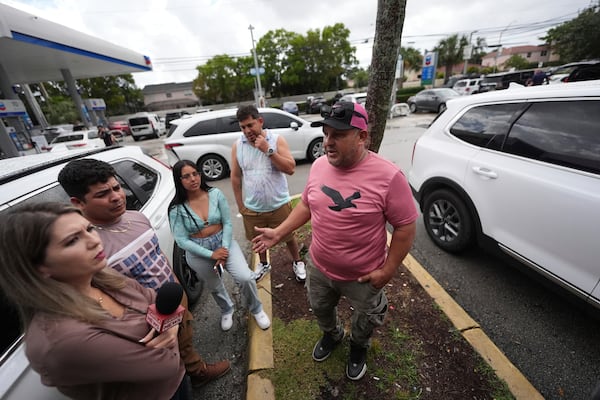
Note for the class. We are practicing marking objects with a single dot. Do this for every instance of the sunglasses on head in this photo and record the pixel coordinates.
(339, 112)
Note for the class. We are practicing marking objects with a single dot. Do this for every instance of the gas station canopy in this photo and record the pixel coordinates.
(36, 50)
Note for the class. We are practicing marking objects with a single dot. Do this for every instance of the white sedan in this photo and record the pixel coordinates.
(79, 140)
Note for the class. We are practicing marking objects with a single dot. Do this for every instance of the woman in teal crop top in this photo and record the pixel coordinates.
(201, 224)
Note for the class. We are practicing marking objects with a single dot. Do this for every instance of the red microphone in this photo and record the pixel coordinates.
(167, 311)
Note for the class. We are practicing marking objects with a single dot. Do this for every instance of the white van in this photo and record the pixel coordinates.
(467, 86)
(146, 124)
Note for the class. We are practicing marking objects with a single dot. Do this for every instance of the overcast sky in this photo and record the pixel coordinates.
(178, 35)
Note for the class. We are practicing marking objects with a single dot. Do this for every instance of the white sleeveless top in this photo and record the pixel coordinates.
(265, 187)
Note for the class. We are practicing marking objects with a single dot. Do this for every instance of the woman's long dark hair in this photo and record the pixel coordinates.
(180, 192)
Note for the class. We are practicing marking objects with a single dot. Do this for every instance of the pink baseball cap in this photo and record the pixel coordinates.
(344, 115)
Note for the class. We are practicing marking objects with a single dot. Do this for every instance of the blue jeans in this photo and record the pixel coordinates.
(236, 265)
(369, 303)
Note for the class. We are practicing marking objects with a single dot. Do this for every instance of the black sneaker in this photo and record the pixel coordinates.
(325, 346)
(357, 362)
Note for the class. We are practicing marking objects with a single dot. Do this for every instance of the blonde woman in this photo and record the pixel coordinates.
(85, 327)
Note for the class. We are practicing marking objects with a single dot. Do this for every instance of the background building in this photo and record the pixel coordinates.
(167, 96)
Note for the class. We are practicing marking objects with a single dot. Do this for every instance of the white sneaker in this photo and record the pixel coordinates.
(262, 320)
(261, 270)
(226, 321)
(299, 271)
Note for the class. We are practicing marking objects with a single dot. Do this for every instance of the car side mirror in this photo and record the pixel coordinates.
(294, 125)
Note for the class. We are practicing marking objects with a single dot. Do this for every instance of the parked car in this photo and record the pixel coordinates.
(453, 79)
(118, 134)
(467, 86)
(174, 115)
(207, 138)
(518, 169)
(52, 131)
(146, 124)
(76, 140)
(577, 71)
(291, 107)
(360, 98)
(502, 80)
(431, 100)
(314, 105)
(122, 126)
(149, 187)
(557, 78)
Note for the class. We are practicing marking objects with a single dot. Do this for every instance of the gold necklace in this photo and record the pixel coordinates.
(99, 299)
(115, 230)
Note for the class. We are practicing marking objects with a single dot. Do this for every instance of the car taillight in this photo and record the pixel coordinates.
(170, 146)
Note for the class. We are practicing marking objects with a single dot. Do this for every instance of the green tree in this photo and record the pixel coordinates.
(517, 62)
(413, 59)
(478, 51)
(273, 49)
(217, 80)
(120, 94)
(59, 110)
(579, 38)
(388, 34)
(450, 53)
(360, 76)
(293, 63)
(338, 55)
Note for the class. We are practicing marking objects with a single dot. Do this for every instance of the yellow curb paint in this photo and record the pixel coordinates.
(260, 345)
(517, 383)
(455, 313)
(259, 388)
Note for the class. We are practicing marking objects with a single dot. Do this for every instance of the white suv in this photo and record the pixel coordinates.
(467, 86)
(149, 187)
(207, 138)
(146, 124)
(520, 167)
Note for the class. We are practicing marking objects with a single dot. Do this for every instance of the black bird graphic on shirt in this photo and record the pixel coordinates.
(340, 202)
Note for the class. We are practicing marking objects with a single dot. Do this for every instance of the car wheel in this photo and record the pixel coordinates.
(187, 277)
(213, 167)
(442, 108)
(448, 221)
(136, 138)
(412, 107)
(315, 150)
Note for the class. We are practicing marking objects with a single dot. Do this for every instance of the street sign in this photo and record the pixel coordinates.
(428, 72)
(261, 71)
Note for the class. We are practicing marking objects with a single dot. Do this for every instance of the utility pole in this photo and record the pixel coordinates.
(259, 97)
(467, 58)
(500, 44)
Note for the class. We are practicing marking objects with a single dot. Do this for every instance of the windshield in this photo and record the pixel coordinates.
(68, 138)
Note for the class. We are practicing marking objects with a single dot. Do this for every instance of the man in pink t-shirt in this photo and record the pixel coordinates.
(350, 197)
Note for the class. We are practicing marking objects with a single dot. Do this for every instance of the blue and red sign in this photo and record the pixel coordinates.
(12, 108)
(428, 72)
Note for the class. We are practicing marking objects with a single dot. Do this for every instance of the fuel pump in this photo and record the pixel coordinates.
(14, 134)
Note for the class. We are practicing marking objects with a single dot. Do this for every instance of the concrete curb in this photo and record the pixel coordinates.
(260, 345)
(518, 385)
